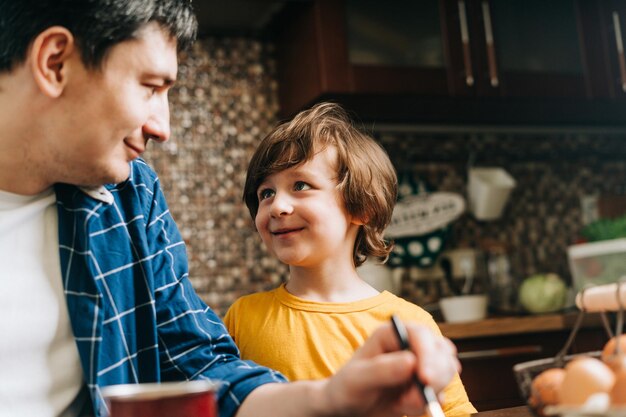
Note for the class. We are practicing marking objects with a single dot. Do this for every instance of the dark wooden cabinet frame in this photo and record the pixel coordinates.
(313, 65)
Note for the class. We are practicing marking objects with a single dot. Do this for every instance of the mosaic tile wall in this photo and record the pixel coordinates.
(552, 170)
(226, 101)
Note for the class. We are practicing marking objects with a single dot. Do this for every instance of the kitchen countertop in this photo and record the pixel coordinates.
(505, 325)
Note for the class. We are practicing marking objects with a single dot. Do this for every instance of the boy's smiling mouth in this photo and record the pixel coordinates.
(280, 232)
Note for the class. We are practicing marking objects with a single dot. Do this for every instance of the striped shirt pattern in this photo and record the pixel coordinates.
(134, 314)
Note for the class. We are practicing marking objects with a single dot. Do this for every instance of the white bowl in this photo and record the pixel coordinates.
(463, 308)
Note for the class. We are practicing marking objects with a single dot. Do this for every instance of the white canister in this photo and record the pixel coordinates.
(380, 276)
(488, 192)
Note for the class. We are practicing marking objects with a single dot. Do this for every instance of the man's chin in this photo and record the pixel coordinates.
(110, 177)
(116, 179)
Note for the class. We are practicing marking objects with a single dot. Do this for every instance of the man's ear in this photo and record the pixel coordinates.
(49, 55)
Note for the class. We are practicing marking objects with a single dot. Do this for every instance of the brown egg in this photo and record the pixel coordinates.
(618, 393)
(584, 377)
(609, 347)
(545, 387)
(617, 363)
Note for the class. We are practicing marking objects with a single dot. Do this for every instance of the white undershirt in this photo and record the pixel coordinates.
(40, 372)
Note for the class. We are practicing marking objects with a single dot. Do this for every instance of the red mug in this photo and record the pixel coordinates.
(167, 399)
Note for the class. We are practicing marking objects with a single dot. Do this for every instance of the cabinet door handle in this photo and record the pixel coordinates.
(491, 51)
(501, 352)
(467, 60)
(620, 49)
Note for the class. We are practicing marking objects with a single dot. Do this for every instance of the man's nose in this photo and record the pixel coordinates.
(281, 205)
(157, 127)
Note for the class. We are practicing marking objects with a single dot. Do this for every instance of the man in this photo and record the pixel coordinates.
(94, 288)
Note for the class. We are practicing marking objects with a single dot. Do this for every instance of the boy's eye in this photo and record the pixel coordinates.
(301, 186)
(265, 193)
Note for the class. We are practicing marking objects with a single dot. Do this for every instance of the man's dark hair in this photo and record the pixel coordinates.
(97, 25)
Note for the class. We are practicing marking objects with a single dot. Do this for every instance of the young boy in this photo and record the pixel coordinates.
(321, 194)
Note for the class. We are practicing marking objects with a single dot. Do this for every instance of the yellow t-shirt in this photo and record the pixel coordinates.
(312, 340)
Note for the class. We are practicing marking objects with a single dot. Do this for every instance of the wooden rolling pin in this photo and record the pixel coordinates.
(606, 297)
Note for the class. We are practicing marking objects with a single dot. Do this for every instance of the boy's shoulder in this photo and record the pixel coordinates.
(409, 311)
(247, 305)
(404, 304)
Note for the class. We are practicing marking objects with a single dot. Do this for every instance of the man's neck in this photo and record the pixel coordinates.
(20, 117)
(21, 185)
(19, 173)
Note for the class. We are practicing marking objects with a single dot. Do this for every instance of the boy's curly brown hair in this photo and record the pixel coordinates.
(366, 177)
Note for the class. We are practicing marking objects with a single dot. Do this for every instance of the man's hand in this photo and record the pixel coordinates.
(377, 381)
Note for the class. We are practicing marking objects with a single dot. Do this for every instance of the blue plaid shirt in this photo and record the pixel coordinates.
(134, 313)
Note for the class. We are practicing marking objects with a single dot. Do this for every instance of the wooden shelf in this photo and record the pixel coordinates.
(502, 326)
(488, 350)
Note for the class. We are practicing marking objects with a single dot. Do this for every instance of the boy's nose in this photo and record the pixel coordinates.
(281, 205)
(157, 127)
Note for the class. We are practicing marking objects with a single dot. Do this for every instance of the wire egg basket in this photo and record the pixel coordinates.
(526, 372)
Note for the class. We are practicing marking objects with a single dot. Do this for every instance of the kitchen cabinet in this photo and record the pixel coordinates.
(612, 30)
(530, 48)
(458, 61)
(489, 349)
(394, 46)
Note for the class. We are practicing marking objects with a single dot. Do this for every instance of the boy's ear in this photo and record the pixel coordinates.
(49, 55)
(358, 221)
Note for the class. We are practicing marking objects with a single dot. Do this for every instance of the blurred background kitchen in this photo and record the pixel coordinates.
(535, 88)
